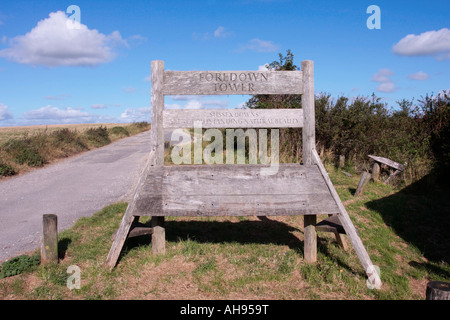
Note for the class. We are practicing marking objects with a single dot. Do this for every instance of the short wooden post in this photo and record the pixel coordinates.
(49, 242)
(341, 241)
(341, 161)
(362, 183)
(438, 290)
(310, 243)
(158, 236)
(375, 171)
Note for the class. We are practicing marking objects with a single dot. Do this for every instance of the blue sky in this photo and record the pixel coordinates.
(100, 72)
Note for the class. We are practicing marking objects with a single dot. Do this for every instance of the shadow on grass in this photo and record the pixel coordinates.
(264, 231)
(63, 245)
(420, 214)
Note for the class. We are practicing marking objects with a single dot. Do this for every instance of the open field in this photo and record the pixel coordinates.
(404, 231)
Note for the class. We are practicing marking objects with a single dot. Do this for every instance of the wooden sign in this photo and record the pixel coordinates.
(232, 189)
(233, 118)
(232, 82)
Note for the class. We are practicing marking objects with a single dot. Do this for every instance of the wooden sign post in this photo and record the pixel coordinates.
(235, 189)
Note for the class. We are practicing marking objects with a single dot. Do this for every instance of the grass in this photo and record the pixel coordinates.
(25, 148)
(254, 258)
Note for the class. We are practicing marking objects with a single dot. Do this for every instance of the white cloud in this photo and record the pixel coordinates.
(418, 76)
(264, 67)
(435, 43)
(98, 106)
(148, 78)
(128, 89)
(383, 77)
(58, 97)
(262, 45)
(137, 39)
(4, 38)
(50, 112)
(221, 32)
(104, 106)
(386, 87)
(52, 43)
(136, 115)
(4, 113)
(259, 45)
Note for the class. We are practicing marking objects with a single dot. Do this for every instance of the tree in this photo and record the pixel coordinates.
(290, 138)
(278, 101)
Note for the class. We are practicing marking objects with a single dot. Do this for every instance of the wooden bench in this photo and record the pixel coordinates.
(234, 189)
(378, 161)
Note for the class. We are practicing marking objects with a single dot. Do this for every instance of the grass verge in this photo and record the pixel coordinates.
(252, 258)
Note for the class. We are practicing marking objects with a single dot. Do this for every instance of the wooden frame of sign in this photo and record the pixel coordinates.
(232, 189)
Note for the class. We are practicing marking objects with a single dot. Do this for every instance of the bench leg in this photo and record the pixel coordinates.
(119, 240)
(158, 236)
(341, 241)
(310, 238)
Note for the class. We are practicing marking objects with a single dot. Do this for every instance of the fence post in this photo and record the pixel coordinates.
(49, 242)
(362, 183)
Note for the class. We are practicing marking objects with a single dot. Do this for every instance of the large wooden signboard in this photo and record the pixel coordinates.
(232, 189)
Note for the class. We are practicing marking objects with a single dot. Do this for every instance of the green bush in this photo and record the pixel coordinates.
(25, 151)
(30, 156)
(6, 170)
(64, 136)
(141, 125)
(18, 265)
(98, 136)
(119, 131)
(416, 133)
(68, 140)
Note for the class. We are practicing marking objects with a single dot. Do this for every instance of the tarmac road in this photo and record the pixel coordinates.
(75, 187)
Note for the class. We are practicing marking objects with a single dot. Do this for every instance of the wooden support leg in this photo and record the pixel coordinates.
(341, 241)
(119, 240)
(344, 218)
(340, 238)
(310, 238)
(158, 236)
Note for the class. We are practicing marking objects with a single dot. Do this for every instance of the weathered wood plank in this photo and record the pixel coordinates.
(232, 82)
(119, 240)
(309, 125)
(157, 103)
(388, 162)
(234, 190)
(234, 118)
(349, 228)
